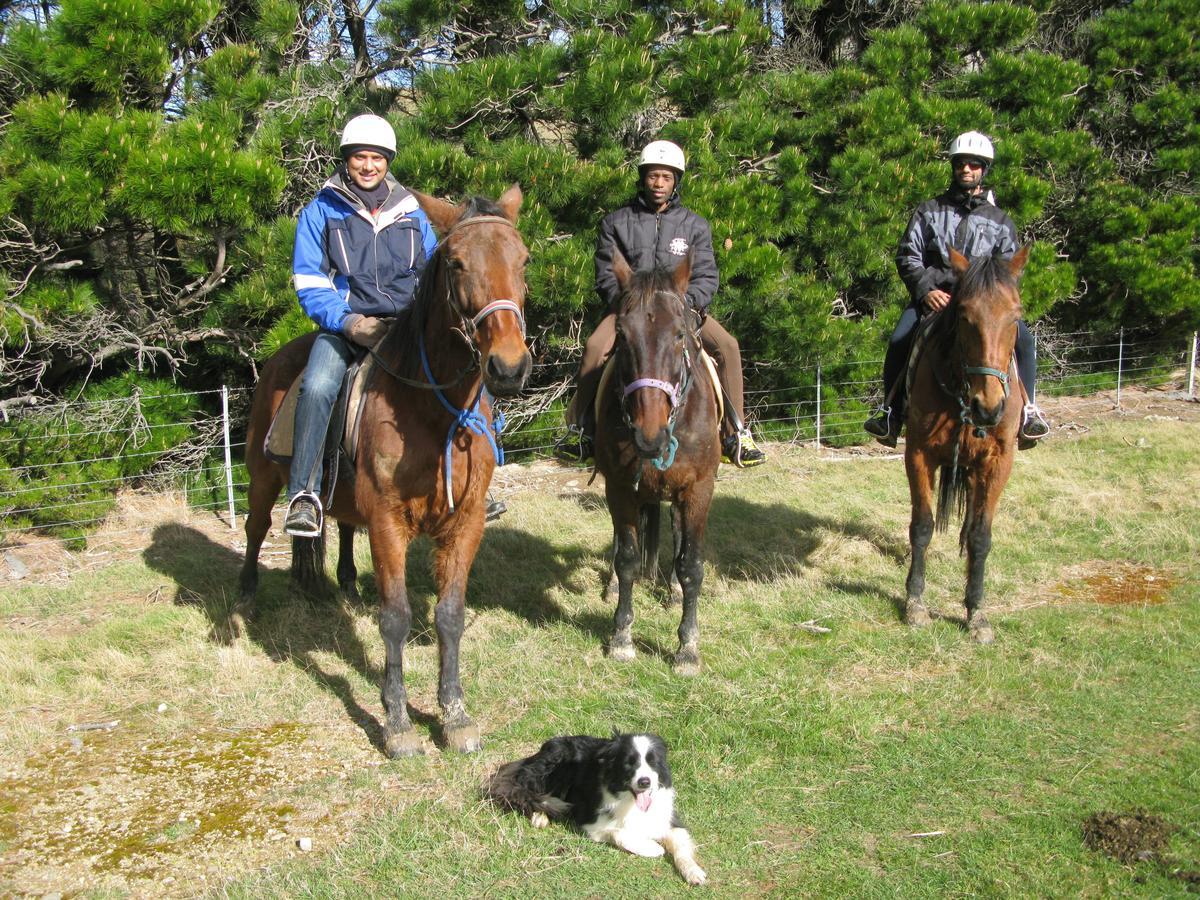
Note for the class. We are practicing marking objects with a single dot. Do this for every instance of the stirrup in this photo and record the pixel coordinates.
(297, 526)
(1031, 415)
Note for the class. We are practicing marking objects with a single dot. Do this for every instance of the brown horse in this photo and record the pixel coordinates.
(656, 440)
(425, 452)
(960, 421)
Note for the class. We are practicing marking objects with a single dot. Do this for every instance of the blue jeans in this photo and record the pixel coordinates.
(896, 358)
(331, 355)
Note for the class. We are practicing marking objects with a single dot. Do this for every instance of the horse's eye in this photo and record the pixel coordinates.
(456, 264)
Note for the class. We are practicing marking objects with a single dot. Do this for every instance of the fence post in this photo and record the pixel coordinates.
(818, 406)
(228, 462)
(1192, 370)
(1120, 363)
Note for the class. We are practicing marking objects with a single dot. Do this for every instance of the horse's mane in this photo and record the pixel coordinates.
(985, 275)
(403, 341)
(644, 285)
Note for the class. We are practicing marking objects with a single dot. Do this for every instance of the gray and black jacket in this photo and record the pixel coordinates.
(650, 240)
(972, 225)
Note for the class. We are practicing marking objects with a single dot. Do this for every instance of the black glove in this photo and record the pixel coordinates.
(366, 331)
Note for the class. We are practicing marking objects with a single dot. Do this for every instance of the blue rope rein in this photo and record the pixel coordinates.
(469, 418)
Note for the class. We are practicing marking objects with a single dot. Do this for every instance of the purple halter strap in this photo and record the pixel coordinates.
(665, 386)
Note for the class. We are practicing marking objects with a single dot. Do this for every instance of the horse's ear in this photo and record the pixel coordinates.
(620, 269)
(1016, 265)
(682, 274)
(510, 202)
(443, 215)
(958, 262)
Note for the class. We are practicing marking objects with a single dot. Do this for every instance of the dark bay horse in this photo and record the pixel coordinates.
(962, 423)
(656, 440)
(425, 455)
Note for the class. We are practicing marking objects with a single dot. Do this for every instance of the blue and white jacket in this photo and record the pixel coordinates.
(347, 261)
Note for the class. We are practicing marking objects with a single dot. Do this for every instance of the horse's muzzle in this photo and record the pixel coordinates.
(504, 378)
(985, 416)
(651, 447)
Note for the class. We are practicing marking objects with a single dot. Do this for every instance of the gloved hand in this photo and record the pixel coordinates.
(366, 331)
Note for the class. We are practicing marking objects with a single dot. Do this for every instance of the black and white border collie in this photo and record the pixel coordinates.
(614, 789)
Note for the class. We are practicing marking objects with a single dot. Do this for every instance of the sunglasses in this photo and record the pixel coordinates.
(962, 161)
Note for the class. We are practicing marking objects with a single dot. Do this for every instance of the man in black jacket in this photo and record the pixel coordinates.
(966, 218)
(654, 231)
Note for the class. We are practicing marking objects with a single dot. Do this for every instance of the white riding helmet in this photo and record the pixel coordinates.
(662, 153)
(972, 143)
(369, 132)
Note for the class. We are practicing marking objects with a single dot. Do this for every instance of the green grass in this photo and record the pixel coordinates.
(805, 763)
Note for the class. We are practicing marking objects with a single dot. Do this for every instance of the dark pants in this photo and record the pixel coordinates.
(328, 360)
(900, 343)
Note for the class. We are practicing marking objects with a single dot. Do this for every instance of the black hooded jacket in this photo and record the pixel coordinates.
(971, 224)
(650, 240)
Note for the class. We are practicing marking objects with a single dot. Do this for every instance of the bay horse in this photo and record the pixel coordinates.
(657, 440)
(425, 448)
(962, 425)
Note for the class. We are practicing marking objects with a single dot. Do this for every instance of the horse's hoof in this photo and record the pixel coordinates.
(981, 631)
(916, 615)
(406, 743)
(350, 593)
(623, 651)
(465, 739)
(686, 664)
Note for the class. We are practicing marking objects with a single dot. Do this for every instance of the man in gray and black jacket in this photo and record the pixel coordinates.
(966, 218)
(655, 231)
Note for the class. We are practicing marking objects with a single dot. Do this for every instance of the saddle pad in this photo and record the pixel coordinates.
(281, 435)
(709, 366)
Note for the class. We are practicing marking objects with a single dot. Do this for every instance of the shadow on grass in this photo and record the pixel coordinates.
(521, 570)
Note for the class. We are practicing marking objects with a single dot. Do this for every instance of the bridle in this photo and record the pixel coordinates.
(468, 417)
(676, 392)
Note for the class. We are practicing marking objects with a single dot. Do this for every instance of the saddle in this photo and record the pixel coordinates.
(709, 366)
(341, 441)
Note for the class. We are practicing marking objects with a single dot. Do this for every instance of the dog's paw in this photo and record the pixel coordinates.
(692, 873)
(645, 848)
(539, 820)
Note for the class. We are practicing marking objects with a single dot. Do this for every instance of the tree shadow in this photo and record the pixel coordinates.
(294, 627)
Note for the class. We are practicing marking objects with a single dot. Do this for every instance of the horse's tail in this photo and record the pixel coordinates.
(308, 562)
(649, 517)
(952, 495)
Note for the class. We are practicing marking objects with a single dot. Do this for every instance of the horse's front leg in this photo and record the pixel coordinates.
(347, 573)
(456, 552)
(690, 521)
(625, 563)
(388, 550)
(977, 538)
(920, 532)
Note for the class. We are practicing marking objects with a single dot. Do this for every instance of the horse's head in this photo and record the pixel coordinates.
(483, 262)
(987, 307)
(656, 337)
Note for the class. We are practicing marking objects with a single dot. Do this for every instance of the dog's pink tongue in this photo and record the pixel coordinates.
(642, 800)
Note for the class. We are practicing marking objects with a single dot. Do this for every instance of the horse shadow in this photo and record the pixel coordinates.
(298, 628)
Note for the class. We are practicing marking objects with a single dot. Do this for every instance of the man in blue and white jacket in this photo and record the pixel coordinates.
(361, 246)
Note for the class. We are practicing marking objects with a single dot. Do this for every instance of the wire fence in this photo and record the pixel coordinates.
(64, 464)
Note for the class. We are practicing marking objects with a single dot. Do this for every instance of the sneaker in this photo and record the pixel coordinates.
(883, 426)
(304, 516)
(1034, 426)
(495, 509)
(575, 447)
(740, 450)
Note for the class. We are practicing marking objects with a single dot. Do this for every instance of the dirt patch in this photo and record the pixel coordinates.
(1118, 584)
(120, 809)
(1128, 837)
